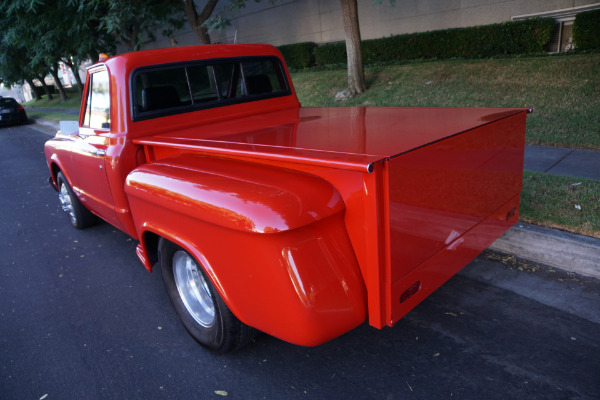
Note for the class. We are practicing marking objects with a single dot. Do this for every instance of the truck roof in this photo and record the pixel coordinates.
(188, 53)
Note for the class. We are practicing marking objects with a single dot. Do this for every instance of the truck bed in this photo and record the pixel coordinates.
(348, 137)
(425, 189)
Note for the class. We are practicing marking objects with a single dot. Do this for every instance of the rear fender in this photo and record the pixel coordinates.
(235, 194)
(273, 241)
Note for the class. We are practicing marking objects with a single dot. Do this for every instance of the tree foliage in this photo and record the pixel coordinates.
(205, 20)
(131, 22)
(42, 33)
(38, 34)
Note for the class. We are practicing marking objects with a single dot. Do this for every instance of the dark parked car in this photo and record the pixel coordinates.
(11, 112)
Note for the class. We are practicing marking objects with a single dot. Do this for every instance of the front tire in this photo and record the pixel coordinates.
(79, 216)
(198, 304)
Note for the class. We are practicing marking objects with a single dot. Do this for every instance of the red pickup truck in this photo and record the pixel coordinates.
(265, 215)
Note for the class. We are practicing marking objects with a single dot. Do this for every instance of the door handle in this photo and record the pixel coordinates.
(100, 153)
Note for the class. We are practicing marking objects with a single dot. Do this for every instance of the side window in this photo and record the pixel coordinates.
(97, 103)
(230, 80)
(202, 83)
(262, 77)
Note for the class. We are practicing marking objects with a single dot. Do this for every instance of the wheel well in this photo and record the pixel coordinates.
(151, 243)
(54, 169)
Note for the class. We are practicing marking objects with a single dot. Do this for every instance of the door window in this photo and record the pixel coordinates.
(97, 105)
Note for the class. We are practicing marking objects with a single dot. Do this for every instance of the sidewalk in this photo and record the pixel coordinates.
(562, 161)
(552, 247)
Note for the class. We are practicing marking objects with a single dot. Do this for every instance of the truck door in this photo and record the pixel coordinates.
(89, 161)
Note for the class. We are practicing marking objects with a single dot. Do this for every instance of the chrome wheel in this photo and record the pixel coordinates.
(79, 216)
(193, 289)
(66, 203)
(198, 303)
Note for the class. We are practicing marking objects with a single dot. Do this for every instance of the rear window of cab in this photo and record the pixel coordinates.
(184, 87)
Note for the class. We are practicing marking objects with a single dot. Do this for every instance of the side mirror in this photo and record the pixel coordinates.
(69, 127)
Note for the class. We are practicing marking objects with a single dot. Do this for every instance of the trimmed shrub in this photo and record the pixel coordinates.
(520, 37)
(330, 54)
(586, 30)
(298, 55)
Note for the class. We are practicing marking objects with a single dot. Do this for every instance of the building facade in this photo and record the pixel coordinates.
(281, 22)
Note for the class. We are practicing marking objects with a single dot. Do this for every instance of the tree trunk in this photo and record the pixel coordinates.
(129, 41)
(196, 20)
(75, 70)
(45, 87)
(58, 83)
(356, 74)
(35, 92)
(133, 38)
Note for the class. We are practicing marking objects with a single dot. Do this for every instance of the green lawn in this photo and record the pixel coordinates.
(73, 101)
(51, 116)
(572, 204)
(564, 91)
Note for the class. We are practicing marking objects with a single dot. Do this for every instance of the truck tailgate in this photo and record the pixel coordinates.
(447, 202)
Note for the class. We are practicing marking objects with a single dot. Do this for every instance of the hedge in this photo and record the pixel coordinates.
(299, 55)
(332, 53)
(522, 37)
(586, 30)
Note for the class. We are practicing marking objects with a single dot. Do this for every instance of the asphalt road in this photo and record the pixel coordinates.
(80, 318)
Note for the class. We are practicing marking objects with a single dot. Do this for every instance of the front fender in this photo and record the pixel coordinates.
(51, 149)
(272, 240)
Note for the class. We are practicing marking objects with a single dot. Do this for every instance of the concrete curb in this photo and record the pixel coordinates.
(552, 247)
(42, 122)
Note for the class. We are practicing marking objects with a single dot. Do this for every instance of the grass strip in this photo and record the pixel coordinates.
(571, 204)
(51, 116)
(73, 102)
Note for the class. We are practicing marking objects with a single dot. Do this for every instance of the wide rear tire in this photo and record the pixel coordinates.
(198, 304)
